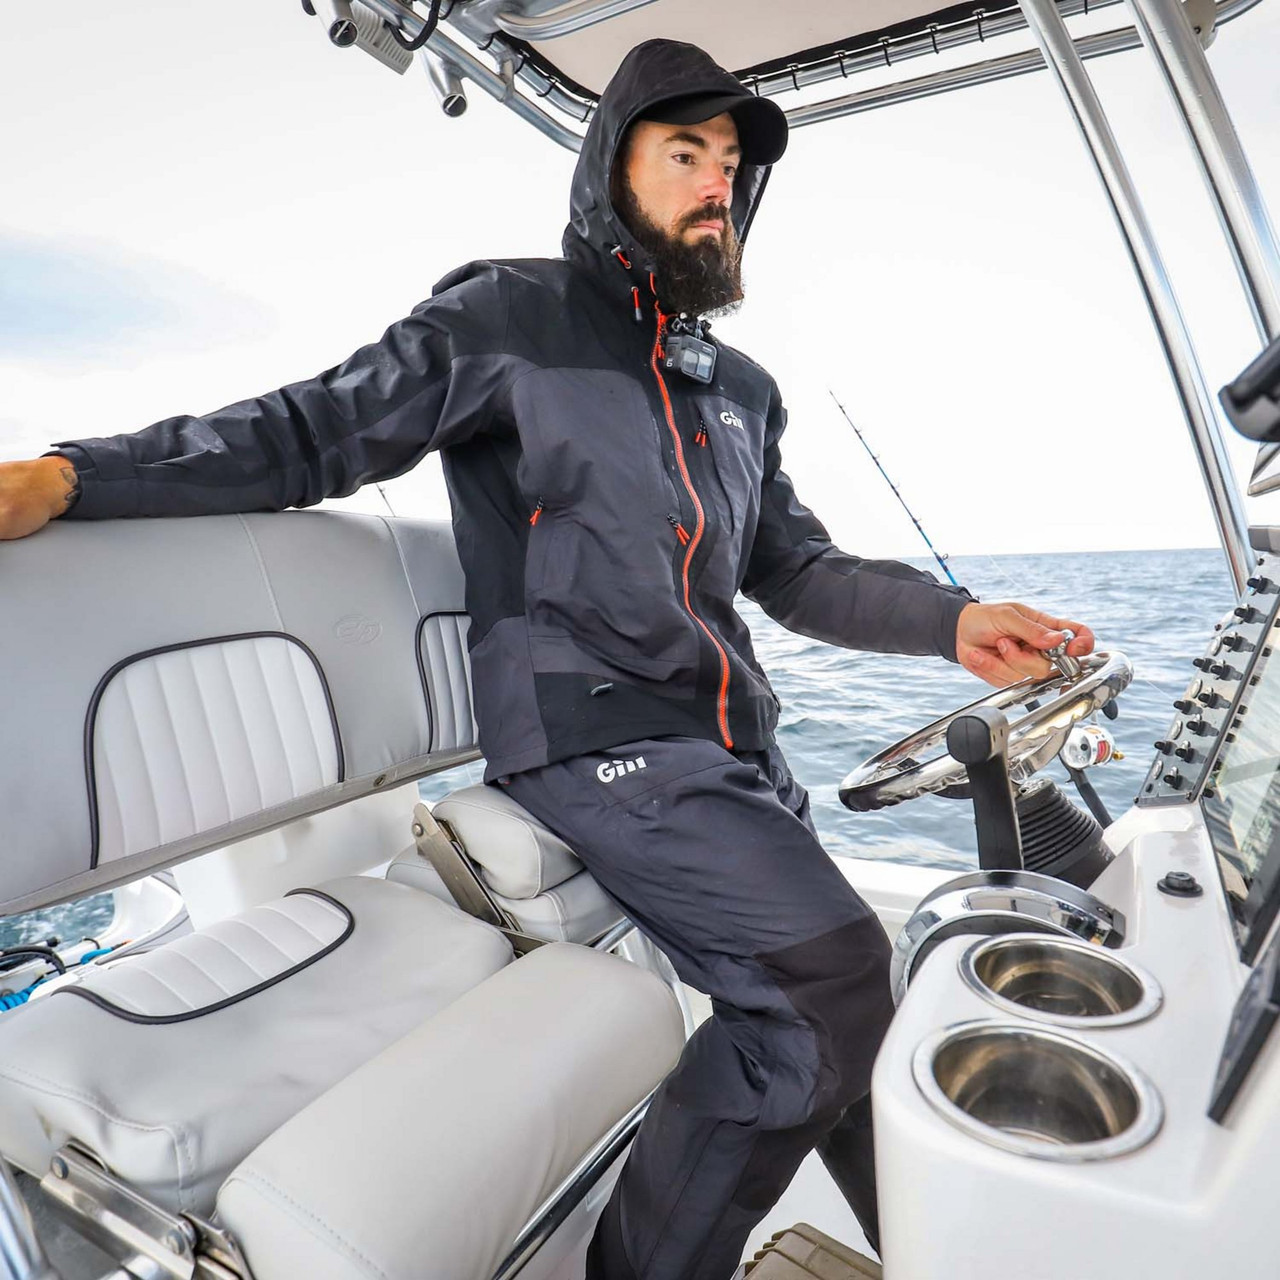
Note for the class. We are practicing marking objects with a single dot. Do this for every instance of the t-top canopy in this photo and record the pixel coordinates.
(744, 36)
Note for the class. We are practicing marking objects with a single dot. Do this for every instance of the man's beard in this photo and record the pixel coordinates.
(699, 279)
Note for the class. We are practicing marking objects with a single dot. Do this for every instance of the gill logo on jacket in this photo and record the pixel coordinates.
(731, 419)
(611, 769)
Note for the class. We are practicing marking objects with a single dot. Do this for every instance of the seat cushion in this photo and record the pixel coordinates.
(173, 1064)
(518, 856)
(429, 1160)
(576, 910)
(531, 873)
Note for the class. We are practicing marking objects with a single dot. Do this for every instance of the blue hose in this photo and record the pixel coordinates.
(14, 999)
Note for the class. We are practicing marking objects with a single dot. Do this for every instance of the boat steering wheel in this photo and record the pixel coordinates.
(914, 766)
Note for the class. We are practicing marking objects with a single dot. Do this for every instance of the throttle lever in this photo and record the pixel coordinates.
(979, 740)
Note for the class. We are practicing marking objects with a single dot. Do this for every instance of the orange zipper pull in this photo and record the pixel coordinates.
(681, 532)
(537, 511)
(701, 437)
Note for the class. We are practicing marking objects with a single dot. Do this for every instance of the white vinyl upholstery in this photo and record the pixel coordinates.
(427, 1162)
(193, 682)
(528, 869)
(224, 962)
(576, 910)
(446, 668)
(195, 737)
(172, 1106)
(519, 856)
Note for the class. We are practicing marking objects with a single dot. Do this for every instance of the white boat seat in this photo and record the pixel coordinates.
(173, 1064)
(237, 674)
(531, 872)
(426, 1162)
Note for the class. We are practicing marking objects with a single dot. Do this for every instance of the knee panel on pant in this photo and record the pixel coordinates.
(838, 983)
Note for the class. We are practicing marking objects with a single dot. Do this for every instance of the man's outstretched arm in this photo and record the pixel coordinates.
(435, 378)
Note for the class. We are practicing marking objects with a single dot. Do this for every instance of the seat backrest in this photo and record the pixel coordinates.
(170, 686)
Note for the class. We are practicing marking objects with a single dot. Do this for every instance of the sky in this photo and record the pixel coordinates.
(200, 203)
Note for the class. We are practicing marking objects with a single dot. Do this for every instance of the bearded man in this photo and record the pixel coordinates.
(615, 479)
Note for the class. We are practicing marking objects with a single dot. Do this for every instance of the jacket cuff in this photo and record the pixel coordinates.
(952, 608)
(99, 498)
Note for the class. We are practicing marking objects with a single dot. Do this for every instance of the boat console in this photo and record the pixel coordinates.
(1055, 1101)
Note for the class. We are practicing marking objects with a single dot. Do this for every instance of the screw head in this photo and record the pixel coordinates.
(1180, 884)
(418, 829)
(58, 1167)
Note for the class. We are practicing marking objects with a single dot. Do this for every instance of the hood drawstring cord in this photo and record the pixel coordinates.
(616, 251)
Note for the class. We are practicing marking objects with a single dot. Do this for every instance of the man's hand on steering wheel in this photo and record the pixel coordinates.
(1004, 643)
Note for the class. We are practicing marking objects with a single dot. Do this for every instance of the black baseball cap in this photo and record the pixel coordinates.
(762, 124)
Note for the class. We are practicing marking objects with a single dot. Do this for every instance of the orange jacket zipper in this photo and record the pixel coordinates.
(722, 702)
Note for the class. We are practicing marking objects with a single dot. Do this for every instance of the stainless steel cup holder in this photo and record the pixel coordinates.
(1036, 1092)
(1060, 980)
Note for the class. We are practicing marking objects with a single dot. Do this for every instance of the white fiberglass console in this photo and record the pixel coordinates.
(1047, 1108)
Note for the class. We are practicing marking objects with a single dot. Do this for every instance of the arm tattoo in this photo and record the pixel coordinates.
(68, 473)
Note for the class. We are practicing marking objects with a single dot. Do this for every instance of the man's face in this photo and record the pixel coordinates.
(682, 175)
(673, 189)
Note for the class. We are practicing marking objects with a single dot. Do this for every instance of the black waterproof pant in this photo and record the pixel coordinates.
(714, 857)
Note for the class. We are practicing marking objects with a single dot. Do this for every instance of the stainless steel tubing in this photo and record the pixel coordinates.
(938, 39)
(553, 1212)
(566, 19)
(470, 66)
(21, 1257)
(445, 83)
(1166, 31)
(1013, 64)
(1060, 54)
(844, 64)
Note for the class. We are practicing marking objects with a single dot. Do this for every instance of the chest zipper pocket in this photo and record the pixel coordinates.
(719, 453)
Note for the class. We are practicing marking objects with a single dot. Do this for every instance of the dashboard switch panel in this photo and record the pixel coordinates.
(1217, 696)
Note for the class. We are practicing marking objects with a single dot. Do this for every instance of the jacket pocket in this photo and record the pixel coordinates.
(613, 597)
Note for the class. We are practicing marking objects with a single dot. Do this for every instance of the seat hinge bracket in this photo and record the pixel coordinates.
(143, 1238)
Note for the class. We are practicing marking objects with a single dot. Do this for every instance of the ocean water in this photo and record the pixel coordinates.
(839, 707)
(1157, 607)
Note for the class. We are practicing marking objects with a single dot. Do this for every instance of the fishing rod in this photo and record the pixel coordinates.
(1076, 774)
(941, 559)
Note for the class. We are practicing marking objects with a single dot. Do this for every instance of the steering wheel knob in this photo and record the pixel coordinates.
(1067, 666)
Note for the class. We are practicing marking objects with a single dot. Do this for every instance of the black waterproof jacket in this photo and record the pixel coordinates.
(606, 512)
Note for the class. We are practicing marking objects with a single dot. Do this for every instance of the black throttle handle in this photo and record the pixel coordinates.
(979, 740)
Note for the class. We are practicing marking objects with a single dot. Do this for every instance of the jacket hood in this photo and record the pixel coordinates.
(651, 73)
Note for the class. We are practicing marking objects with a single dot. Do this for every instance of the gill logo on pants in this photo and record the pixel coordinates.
(731, 419)
(616, 768)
